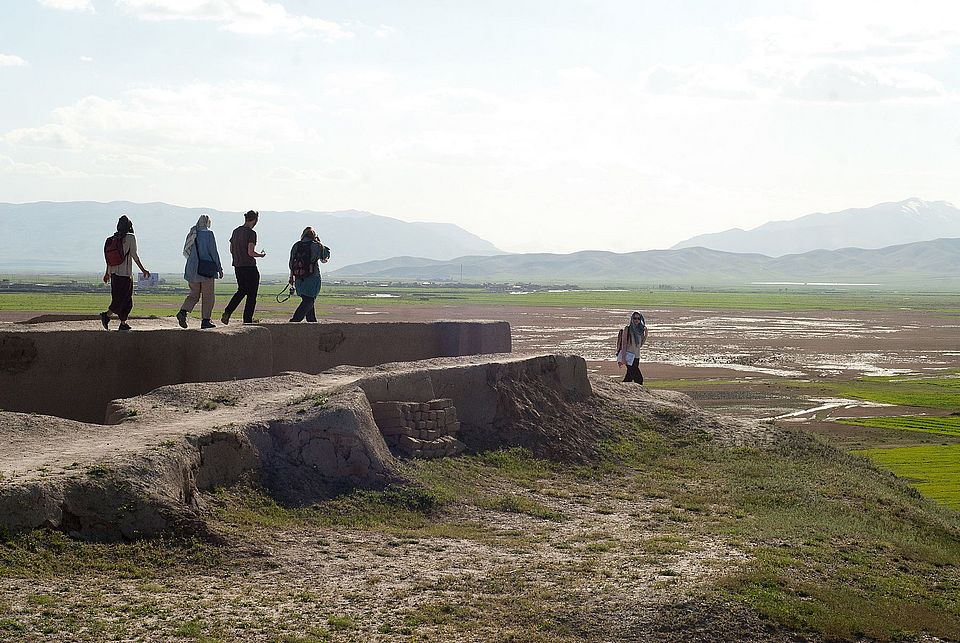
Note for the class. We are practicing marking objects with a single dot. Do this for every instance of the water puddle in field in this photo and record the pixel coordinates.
(827, 404)
(865, 363)
(765, 345)
(774, 328)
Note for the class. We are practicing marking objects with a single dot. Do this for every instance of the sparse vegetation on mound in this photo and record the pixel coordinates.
(666, 531)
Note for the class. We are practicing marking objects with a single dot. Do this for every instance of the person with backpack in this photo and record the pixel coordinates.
(305, 258)
(120, 251)
(243, 247)
(202, 269)
(629, 341)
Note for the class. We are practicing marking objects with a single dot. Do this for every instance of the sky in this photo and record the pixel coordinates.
(547, 126)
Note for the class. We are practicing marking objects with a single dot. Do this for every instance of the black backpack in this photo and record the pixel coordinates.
(301, 265)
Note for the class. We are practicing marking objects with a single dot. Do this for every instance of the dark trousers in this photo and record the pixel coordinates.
(305, 309)
(248, 283)
(121, 296)
(633, 372)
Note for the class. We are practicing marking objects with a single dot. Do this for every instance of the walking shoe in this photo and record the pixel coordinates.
(123, 326)
(206, 323)
(182, 318)
(105, 321)
(224, 319)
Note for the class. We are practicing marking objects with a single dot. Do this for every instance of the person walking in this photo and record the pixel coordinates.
(632, 338)
(305, 258)
(202, 269)
(243, 247)
(120, 252)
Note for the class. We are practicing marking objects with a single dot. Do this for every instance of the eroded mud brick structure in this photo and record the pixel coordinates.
(74, 369)
(209, 410)
(420, 429)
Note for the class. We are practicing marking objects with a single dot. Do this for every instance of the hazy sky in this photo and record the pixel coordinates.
(553, 125)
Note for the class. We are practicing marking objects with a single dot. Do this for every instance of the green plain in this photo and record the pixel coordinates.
(947, 304)
(934, 470)
(949, 425)
(923, 392)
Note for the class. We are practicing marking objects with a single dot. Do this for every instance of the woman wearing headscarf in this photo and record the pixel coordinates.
(305, 258)
(633, 337)
(202, 269)
(120, 273)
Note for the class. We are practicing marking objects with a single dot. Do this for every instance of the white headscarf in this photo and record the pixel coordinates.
(203, 223)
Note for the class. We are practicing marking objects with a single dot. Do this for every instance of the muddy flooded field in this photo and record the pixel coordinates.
(750, 363)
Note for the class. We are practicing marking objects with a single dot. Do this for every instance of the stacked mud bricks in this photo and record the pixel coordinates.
(420, 429)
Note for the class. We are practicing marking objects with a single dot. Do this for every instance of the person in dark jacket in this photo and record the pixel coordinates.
(200, 245)
(305, 259)
(243, 247)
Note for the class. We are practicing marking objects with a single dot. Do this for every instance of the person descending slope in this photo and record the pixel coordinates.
(629, 341)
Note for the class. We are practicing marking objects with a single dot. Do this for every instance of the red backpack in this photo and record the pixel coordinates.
(113, 250)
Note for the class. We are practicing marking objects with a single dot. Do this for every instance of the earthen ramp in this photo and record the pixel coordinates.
(302, 437)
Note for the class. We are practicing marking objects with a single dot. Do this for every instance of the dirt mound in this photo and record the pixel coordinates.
(305, 437)
(301, 437)
(676, 413)
(146, 474)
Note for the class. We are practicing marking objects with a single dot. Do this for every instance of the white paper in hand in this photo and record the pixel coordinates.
(148, 282)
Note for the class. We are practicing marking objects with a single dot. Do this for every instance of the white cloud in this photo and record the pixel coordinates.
(133, 164)
(232, 115)
(86, 59)
(50, 135)
(9, 60)
(835, 52)
(68, 5)
(705, 80)
(385, 30)
(256, 17)
(356, 81)
(10, 166)
(862, 83)
(284, 173)
(446, 147)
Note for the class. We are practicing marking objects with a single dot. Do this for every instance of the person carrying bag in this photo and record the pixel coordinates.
(629, 341)
(201, 271)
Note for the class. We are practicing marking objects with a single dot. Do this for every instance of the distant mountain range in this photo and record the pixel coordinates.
(879, 226)
(68, 237)
(933, 264)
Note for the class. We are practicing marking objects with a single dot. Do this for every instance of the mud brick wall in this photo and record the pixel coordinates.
(419, 429)
(71, 372)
